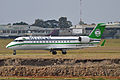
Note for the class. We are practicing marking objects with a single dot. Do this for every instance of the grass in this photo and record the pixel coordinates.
(110, 50)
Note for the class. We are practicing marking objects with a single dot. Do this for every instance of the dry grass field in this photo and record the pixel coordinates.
(100, 61)
(110, 50)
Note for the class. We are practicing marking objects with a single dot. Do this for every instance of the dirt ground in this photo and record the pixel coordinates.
(41, 67)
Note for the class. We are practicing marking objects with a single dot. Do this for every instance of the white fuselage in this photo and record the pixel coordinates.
(47, 43)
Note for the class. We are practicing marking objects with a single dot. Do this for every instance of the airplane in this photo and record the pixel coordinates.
(55, 43)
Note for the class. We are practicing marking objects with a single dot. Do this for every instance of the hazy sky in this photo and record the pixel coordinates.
(93, 11)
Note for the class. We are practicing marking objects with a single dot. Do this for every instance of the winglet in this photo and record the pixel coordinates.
(103, 43)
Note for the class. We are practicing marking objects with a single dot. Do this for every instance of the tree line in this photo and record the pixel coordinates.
(61, 23)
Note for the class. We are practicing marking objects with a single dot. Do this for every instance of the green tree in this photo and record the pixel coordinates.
(51, 23)
(93, 24)
(63, 23)
(39, 22)
(20, 23)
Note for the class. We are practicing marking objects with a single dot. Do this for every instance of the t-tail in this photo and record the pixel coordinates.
(97, 31)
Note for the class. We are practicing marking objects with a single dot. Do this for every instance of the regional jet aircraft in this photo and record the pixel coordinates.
(58, 43)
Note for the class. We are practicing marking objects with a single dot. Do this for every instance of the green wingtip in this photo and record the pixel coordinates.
(103, 43)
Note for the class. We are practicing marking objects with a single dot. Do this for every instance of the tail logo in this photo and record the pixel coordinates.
(97, 32)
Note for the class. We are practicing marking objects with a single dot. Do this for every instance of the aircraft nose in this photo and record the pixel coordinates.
(8, 46)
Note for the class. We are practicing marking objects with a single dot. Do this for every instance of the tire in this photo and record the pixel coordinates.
(64, 52)
(54, 52)
(14, 52)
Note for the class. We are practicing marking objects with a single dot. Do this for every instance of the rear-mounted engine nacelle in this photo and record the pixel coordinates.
(84, 39)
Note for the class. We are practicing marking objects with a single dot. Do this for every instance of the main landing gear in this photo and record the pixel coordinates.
(54, 52)
(64, 52)
(14, 52)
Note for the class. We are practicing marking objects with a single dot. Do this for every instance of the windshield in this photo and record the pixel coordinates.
(18, 41)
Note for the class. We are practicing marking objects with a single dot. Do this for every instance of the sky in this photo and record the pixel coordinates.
(93, 11)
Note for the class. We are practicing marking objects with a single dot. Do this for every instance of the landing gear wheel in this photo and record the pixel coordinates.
(54, 52)
(14, 52)
(64, 52)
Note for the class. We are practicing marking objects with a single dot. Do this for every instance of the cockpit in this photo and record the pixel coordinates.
(18, 40)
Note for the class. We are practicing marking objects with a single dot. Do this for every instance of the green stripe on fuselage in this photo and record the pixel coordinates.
(48, 43)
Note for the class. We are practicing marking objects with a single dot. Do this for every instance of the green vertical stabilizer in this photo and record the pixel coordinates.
(97, 31)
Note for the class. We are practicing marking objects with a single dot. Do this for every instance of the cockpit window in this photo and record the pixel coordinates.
(18, 41)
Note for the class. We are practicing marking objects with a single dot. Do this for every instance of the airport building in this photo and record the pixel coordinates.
(26, 30)
(111, 32)
(23, 30)
(77, 30)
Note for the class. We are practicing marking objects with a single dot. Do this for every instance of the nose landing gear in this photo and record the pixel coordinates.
(14, 52)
